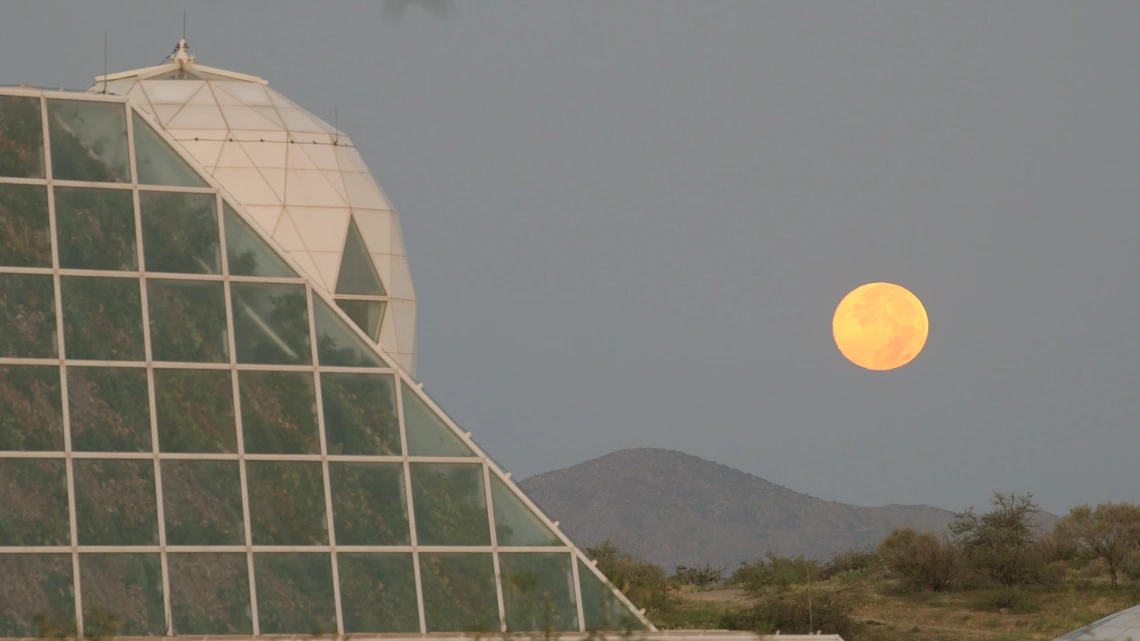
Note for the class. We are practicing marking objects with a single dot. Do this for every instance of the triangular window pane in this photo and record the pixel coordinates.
(337, 344)
(602, 608)
(158, 164)
(357, 273)
(428, 435)
(515, 523)
(248, 254)
(367, 314)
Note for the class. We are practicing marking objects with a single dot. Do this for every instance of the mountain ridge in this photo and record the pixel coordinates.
(679, 509)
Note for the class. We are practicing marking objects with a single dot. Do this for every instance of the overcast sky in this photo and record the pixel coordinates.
(629, 223)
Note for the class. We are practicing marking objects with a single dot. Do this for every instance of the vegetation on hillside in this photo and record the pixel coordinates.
(995, 576)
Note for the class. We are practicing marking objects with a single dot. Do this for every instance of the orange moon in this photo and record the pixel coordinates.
(880, 326)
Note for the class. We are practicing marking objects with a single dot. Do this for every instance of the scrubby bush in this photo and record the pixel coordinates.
(849, 561)
(701, 576)
(775, 571)
(1006, 601)
(1001, 544)
(922, 560)
(792, 613)
(644, 583)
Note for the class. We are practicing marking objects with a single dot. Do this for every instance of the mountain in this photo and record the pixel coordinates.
(675, 508)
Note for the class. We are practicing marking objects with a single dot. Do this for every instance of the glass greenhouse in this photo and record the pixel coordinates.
(209, 423)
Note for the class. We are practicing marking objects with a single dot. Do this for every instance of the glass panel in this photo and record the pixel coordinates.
(195, 410)
(428, 435)
(337, 344)
(209, 594)
(115, 502)
(109, 408)
(188, 321)
(459, 592)
(370, 506)
(122, 595)
(279, 413)
(538, 592)
(34, 585)
(602, 609)
(31, 414)
(367, 314)
(515, 523)
(96, 228)
(295, 594)
(27, 316)
(158, 164)
(88, 141)
(360, 414)
(378, 593)
(287, 503)
(102, 318)
(180, 232)
(357, 273)
(21, 138)
(271, 324)
(25, 233)
(33, 493)
(451, 507)
(248, 254)
(202, 503)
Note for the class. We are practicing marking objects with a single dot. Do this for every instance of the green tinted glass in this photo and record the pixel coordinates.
(450, 504)
(538, 592)
(279, 413)
(188, 321)
(96, 228)
(271, 323)
(370, 506)
(337, 343)
(202, 503)
(122, 595)
(378, 593)
(88, 141)
(157, 163)
(31, 415)
(360, 414)
(21, 139)
(367, 314)
(602, 609)
(195, 409)
(180, 232)
(25, 234)
(209, 594)
(27, 316)
(109, 409)
(248, 254)
(33, 493)
(515, 523)
(36, 597)
(428, 435)
(459, 592)
(357, 273)
(295, 594)
(102, 318)
(287, 503)
(115, 502)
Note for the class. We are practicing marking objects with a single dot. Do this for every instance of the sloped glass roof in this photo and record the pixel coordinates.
(196, 440)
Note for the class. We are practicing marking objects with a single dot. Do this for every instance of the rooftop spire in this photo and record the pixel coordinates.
(182, 53)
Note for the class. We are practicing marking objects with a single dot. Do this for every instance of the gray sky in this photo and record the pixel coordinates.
(629, 222)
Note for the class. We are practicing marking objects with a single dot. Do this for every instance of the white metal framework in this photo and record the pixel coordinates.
(196, 440)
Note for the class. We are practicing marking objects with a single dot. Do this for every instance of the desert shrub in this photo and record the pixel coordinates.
(701, 576)
(1001, 544)
(775, 571)
(789, 613)
(848, 561)
(646, 584)
(1131, 566)
(1093, 569)
(922, 560)
(1006, 601)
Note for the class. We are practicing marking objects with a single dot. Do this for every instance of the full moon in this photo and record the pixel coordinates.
(880, 326)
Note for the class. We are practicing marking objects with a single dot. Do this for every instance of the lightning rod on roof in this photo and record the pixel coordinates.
(104, 61)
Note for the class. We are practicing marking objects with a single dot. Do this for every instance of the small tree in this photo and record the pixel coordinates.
(1110, 530)
(1000, 544)
(701, 576)
(922, 559)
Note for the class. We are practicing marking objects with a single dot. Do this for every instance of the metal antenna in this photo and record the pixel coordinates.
(184, 24)
(104, 61)
(336, 123)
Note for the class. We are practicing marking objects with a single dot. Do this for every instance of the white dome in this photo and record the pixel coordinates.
(298, 177)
